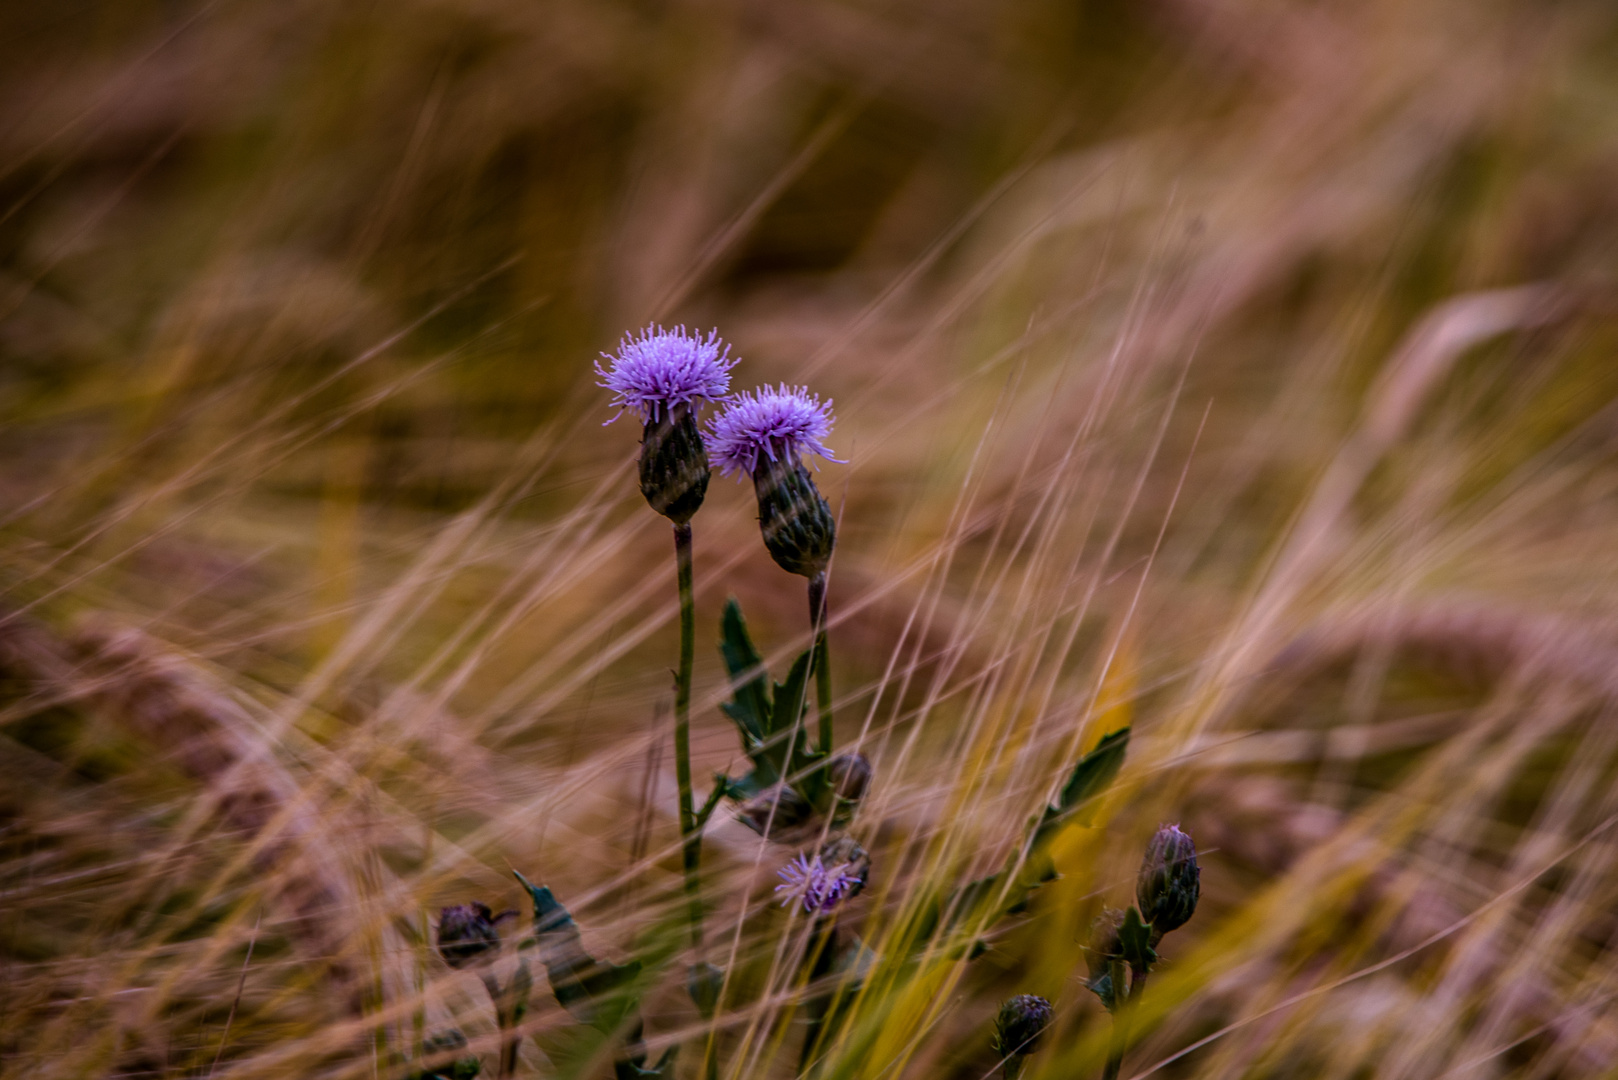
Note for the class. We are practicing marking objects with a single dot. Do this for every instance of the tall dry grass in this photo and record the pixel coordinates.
(1241, 371)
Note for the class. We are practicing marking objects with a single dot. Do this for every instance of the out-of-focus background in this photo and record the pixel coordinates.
(1241, 370)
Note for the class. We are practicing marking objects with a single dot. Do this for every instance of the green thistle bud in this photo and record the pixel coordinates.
(467, 934)
(1020, 1023)
(798, 528)
(674, 467)
(1169, 882)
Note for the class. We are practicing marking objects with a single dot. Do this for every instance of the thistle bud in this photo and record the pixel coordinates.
(674, 467)
(764, 434)
(799, 531)
(1104, 949)
(467, 934)
(1020, 1023)
(850, 775)
(703, 982)
(1104, 945)
(781, 811)
(1169, 881)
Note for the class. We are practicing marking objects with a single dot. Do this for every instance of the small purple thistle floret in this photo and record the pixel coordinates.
(780, 422)
(818, 887)
(662, 369)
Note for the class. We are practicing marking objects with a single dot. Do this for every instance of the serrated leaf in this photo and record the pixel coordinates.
(749, 707)
(1101, 987)
(597, 992)
(1094, 773)
(791, 697)
(1135, 941)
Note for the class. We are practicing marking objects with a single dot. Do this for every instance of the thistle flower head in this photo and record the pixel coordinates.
(467, 934)
(780, 423)
(1169, 882)
(1019, 1024)
(656, 372)
(817, 886)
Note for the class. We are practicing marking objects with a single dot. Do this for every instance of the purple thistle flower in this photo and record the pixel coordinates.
(818, 887)
(662, 369)
(780, 422)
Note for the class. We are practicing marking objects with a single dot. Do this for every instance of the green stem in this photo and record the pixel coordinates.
(504, 1018)
(822, 662)
(690, 832)
(1120, 1022)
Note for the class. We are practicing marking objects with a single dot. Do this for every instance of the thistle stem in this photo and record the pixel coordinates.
(1120, 1022)
(690, 831)
(505, 1019)
(822, 664)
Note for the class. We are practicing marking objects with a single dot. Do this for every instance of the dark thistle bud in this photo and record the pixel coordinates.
(1169, 881)
(467, 934)
(850, 775)
(703, 982)
(1020, 1023)
(439, 1046)
(764, 434)
(799, 531)
(778, 814)
(674, 465)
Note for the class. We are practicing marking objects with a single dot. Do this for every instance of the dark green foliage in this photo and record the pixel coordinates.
(602, 995)
(1008, 892)
(1135, 941)
(770, 723)
(1092, 776)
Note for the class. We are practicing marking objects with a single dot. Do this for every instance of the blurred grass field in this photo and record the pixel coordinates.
(1246, 372)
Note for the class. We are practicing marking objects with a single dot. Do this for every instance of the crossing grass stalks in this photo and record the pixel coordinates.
(1242, 373)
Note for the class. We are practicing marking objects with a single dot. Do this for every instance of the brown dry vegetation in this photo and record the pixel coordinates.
(1245, 371)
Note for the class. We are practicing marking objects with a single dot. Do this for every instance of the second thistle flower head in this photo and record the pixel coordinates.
(659, 370)
(764, 434)
(779, 423)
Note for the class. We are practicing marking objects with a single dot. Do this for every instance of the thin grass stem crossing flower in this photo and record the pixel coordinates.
(818, 887)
